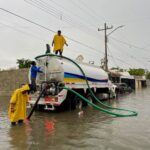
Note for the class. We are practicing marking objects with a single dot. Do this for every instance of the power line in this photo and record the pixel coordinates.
(128, 44)
(91, 48)
(144, 64)
(112, 57)
(132, 57)
(120, 60)
(84, 10)
(59, 15)
(29, 34)
(74, 14)
(41, 26)
(75, 51)
(92, 11)
(44, 5)
(4, 25)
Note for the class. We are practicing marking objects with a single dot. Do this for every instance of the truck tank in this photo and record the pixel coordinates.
(61, 70)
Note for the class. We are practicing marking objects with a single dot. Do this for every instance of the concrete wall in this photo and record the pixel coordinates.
(140, 82)
(148, 82)
(12, 79)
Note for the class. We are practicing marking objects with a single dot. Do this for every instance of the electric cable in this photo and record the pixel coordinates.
(132, 56)
(92, 11)
(85, 11)
(18, 30)
(128, 44)
(85, 45)
(59, 15)
(41, 26)
(112, 57)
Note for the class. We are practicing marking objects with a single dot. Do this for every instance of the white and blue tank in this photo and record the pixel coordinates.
(61, 70)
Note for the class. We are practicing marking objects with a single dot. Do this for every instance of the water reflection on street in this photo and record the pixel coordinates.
(90, 130)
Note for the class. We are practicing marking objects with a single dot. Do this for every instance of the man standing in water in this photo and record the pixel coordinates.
(18, 102)
(58, 42)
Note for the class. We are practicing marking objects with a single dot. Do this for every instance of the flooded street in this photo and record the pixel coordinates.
(69, 131)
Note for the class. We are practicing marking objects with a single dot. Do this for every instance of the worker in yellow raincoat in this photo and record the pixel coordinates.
(18, 102)
(58, 43)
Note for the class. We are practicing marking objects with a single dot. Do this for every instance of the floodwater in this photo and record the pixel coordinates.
(92, 130)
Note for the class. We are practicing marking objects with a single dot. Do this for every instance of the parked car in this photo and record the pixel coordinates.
(123, 88)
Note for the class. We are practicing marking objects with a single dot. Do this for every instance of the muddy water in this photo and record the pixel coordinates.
(92, 130)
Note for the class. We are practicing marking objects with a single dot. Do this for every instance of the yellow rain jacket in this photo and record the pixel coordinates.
(59, 42)
(19, 100)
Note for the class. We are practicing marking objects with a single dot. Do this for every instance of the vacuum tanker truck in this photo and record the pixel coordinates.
(58, 72)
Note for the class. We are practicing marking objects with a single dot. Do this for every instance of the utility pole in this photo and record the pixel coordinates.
(106, 40)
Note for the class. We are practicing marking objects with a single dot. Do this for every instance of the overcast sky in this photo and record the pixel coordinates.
(79, 20)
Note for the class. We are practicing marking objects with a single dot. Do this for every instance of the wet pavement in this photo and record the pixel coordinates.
(71, 131)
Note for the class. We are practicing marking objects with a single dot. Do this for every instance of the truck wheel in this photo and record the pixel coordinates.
(76, 103)
(40, 107)
(89, 97)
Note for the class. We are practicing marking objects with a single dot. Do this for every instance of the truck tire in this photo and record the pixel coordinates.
(89, 97)
(76, 103)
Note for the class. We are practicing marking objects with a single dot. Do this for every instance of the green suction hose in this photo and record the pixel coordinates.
(132, 113)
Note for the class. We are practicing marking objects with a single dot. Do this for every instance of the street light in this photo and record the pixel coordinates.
(106, 37)
(115, 29)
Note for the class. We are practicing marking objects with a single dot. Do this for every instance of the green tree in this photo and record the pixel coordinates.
(23, 63)
(148, 75)
(137, 72)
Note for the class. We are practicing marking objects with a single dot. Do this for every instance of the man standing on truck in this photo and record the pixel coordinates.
(58, 42)
(33, 74)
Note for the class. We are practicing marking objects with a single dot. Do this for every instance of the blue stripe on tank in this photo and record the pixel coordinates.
(71, 75)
